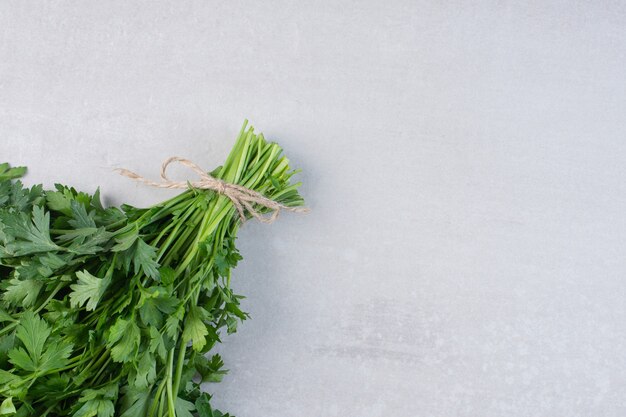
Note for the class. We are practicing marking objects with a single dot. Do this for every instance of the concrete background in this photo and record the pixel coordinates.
(465, 163)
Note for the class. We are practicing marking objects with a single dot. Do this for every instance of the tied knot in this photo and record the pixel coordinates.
(220, 187)
(242, 198)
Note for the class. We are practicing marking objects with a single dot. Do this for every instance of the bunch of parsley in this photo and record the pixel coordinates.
(113, 311)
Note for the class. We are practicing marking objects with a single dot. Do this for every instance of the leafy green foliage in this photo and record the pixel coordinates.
(114, 311)
(7, 407)
(203, 405)
(195, 330)
(155, 302)
(146, 371)
(89, 290)
(184, 408)
(144, 258)
(26, 235)
(123, 340)
(98, 402)
(134, 403)
(22, 292)
(40, 354)
(8, 173)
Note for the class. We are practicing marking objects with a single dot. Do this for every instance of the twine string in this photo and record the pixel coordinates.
(242, 198)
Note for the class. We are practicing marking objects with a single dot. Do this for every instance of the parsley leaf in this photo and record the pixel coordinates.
(146, 371)
(154, 302)
(32, 236)
(184, 408)
(89, 289)
(134, 402)
(195, 330)
(145, 258)
(8, 173)
(33, 332)
(7, 407)
(22, 292)
(123, 340)
(98, 403)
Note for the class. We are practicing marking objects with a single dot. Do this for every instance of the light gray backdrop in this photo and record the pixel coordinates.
(465, 163)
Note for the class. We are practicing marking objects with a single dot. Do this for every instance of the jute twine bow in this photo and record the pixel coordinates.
(242, 198)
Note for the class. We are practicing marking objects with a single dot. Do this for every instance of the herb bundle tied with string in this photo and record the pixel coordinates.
(113, 311)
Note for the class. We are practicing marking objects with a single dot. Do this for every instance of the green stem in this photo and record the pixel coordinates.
(182, 349)
(157, 398)
(45, 413)
(102, 368)
(180, 363)
(171, 405)
(51, 296)
(8, 327)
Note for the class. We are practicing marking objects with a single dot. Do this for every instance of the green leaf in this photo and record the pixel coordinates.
(96, 408)
(195, 330)
(60, 313)
(123, 340)
(154, 302)
(125, 240)
(20, 358)
(7, 342)
(54, 261)
(134, 402)
(150, 314)
(7, 407)
(234, 309)
(95, 200)
(231, 324)
(157, 344)
(88, 409)
(134, 249)
(109, 216)
(145, 258)
(81, 219)
(40, 230)
(167, 275)
(33, 332)
(226, 259)
(203, 405)
(8, 173)
(55, 356)
(82, 234)
(4, 316)
(89, 289)
(146, 371)
(20, 197)
(50, 388)
(25, 410)
(86, 241)
(98, 402)
(5, 190)
(184, 408)
(31, 234)
(211, 370)
(60, 202)
(22, 293)
(108, 392)
(171, 326)
(7, 377)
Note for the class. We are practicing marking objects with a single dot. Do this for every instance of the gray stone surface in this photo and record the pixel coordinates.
(465, 164)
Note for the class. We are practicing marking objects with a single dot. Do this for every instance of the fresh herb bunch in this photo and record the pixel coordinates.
(113, 311)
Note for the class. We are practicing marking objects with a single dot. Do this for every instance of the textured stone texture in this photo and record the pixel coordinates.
(465, 165)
